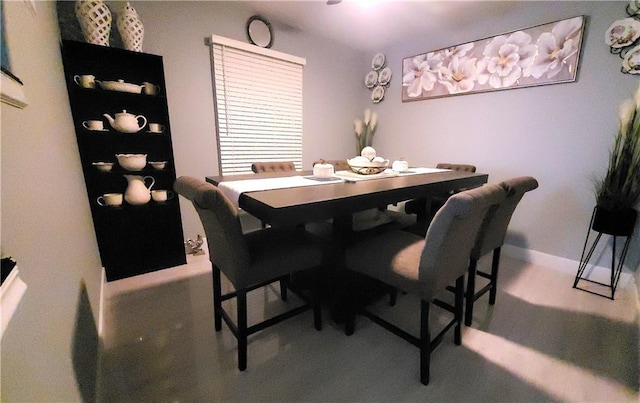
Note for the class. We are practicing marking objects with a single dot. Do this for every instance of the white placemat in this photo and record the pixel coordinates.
(233, 189)
(351, 176)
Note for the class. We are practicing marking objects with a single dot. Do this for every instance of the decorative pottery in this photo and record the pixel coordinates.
(95, 20)
(138, 193)
(618, 223)
(130, 28)
(126, 122)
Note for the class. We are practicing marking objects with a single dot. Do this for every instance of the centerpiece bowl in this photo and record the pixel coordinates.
(361, 166)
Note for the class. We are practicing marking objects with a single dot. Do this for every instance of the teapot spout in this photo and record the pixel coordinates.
(109, 118)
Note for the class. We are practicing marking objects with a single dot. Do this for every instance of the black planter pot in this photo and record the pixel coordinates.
(618, 223)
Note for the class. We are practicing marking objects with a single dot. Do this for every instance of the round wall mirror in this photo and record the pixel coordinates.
(259, 31)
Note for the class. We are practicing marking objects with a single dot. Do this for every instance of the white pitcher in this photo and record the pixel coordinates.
(138, 193)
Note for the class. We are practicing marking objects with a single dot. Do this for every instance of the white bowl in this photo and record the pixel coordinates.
(132, 162)
(359, 166)
(159, 165)
(121, 86)
(103, 166)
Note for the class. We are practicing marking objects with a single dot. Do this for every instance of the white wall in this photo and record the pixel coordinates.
(46, 222)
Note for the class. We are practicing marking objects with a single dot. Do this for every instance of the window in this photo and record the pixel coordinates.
(258, 104)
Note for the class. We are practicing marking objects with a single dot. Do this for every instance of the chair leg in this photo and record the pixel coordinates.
(316, 299)
(471, 291)
(425, 342)
(241, 300)
(217, 299)
(494, 276)
(283, 289)
(393, 296)
(350, 320)
(459, 303)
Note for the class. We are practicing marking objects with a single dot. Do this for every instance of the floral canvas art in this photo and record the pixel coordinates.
(544, 54)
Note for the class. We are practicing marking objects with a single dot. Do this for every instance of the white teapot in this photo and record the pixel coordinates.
(126, 122)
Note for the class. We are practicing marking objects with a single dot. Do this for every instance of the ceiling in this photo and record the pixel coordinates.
(369, 25)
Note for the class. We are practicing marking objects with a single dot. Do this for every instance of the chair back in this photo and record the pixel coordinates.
(457, 167)
(338, 165)
(494, 228)
(452, 234)
(228, 249)
(273, 166)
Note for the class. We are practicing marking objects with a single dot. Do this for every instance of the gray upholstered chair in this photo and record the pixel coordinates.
(273, 166)
(491, 238)
(425, 208)
(249, 261)
(424, 266)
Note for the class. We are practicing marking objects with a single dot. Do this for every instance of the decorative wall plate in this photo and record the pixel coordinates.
(385, 76)
(371, 79)
(378, 61)
(377, 94)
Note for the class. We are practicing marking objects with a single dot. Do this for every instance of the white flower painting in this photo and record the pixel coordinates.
(545, 54)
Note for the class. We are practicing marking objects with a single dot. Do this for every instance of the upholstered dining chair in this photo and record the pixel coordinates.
(425, 265)
(420, 206)
(491, 238)
(273, 166)
(249, 261)
(338, 165)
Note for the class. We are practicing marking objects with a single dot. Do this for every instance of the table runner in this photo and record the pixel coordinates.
(351, 176)
(233, 189)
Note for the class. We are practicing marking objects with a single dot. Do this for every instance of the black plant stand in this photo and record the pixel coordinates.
(615, 269)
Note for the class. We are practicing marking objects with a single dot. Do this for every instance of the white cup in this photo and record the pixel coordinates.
(93, 124)
(160, 195)
(156, 127)
(150, 88)
(85, 81)
(110, 199)
(400, 166)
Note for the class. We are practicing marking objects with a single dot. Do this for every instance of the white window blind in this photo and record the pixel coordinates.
(258, 97)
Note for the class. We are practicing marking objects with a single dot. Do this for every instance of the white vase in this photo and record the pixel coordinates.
(130, 28)
(95, 20)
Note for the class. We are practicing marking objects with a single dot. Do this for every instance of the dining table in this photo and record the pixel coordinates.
(336, 201)
(339, 199)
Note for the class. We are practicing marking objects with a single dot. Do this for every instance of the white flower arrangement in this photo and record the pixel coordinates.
(365, 129)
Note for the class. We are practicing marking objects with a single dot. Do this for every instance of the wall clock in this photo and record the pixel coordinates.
(259, 31)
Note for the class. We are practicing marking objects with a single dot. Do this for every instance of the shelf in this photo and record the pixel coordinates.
(133, 239)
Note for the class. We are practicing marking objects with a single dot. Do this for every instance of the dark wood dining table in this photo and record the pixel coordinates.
(339, 201)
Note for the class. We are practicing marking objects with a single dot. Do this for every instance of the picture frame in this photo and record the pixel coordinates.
(11, 87)
(544, 54)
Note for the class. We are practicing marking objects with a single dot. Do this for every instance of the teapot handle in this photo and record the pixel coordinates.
(153, 181)
(143, 118)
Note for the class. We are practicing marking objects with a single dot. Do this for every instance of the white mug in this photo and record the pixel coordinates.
(161, 195)
(110, 199)
(150, 88)
(93, 124)
(85, 81)
(156, 127)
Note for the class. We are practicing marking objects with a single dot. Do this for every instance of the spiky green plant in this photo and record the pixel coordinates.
(620, 187)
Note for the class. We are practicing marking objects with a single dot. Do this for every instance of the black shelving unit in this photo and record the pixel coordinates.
(133, 239)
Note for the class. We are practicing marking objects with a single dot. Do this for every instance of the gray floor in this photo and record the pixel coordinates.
(542, 341)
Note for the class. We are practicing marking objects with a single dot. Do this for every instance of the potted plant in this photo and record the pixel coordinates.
(619, 190)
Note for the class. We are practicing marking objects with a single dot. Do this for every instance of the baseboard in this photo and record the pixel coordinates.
(595, 273)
